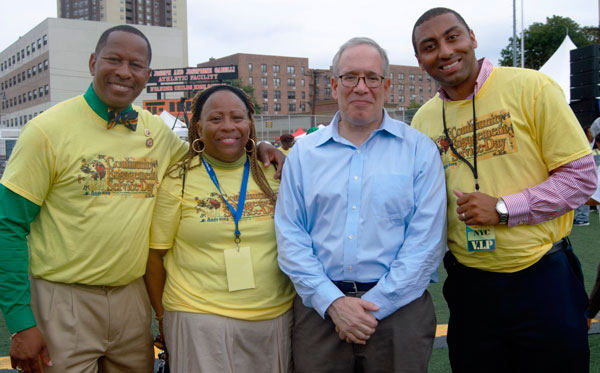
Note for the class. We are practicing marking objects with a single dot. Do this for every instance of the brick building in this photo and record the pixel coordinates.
(285, 85)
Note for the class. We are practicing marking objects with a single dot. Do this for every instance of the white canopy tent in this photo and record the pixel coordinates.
(558, 67)
(180, 128)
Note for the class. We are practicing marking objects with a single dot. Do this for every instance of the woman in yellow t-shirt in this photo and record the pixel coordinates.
(222, 302)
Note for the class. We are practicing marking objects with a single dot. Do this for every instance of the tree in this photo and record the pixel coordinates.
(542, 40)
(414, 105)
(249, 91)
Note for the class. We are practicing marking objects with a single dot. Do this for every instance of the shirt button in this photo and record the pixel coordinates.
(354, 207)
(358, 151)
(350, 236)
(355, 177)
(350, 268)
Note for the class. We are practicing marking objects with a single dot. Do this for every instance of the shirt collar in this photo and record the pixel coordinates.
(97, 104)
(485, 69)
(331, 132)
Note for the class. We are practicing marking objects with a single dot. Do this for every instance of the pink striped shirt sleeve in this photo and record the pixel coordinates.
(568, 187)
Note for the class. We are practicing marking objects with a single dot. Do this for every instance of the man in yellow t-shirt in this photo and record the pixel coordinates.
(287, 141)
(516, 164)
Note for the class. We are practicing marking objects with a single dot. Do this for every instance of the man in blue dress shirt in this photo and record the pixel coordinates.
(361, 228)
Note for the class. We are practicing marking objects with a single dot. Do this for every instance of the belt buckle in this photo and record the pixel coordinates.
(353, 285)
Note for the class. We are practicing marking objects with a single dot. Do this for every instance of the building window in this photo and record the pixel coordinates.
(327, 91)
(41, 91)
(302, 70)
(420, 77)
(45, 64)
(292, 107)
(39, 43)
(46, 90)
(420, 88)
(302, 82)
(275, 68)
(45, 37)
(33, 70)
(277, 107)
(28, 50)
(250, 81)
(411, 77)
(291, 69)
(276, 82)
(391, 98)
(250, 67)
(263, 81)
(400, 98)
(411, 89)
(23, 75)
(32, 47)
(400, 77)
(40, 67)
(265, 94)
(400, 87)
(291, 82)
(30, 95)
(277, 94)
(302, 107)
(291, 95)
(29, 73)
(265, 107)
(303, 95)
(263, 68)
(34, 94)
(391, 75)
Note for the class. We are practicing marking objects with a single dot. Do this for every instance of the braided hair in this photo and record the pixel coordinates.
(178, 169)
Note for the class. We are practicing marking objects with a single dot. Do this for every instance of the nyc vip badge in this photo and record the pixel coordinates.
(481, 238)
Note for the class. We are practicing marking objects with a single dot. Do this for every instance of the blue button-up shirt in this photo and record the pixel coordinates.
(373, 213)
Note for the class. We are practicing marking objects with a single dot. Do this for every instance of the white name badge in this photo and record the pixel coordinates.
(238, 266)
(481, 238)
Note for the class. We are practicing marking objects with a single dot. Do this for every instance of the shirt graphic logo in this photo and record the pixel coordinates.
(107, 176)
(495, 137)
(213, 209)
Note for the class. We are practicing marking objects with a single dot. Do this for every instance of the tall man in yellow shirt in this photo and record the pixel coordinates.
(516, 164)
(81, 183)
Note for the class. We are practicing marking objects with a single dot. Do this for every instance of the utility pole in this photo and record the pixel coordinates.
(514, 43)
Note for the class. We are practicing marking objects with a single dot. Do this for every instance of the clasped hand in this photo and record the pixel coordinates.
(353, 319)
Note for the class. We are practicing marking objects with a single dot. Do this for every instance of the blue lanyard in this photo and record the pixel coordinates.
(237, 214)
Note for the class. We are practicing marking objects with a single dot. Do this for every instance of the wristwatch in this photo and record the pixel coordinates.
(502, 211)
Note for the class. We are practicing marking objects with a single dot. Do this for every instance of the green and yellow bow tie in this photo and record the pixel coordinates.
(128, 119)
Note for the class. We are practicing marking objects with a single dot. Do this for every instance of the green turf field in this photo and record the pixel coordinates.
(586, 243)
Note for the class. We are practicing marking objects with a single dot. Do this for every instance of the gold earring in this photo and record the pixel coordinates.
(194, 143)
(250, 141)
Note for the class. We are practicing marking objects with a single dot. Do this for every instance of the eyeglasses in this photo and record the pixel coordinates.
(371, 81)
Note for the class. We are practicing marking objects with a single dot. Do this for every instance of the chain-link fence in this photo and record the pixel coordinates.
(270, 127)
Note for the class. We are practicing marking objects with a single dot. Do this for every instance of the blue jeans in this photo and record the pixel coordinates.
(582, 214)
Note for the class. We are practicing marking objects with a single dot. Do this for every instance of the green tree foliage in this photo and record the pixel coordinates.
(414, 105)
(542, 40)
(250, 92)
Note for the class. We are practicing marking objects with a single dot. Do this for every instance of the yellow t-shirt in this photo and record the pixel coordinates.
(284, 151)
(525, 129)
(199, 227)
(96, 189)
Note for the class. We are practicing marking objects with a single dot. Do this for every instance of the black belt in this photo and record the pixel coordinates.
(559, 246)
(353, 286)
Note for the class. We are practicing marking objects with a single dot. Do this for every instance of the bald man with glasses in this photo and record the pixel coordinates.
(361, 228)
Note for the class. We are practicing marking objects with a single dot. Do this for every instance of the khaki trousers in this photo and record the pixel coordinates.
(206, 343)
(402, 342)
(94, 328)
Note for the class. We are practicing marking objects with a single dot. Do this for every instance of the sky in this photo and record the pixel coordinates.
(316, 28)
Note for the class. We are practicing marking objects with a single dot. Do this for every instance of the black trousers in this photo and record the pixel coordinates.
(402, 342)
(532, 320)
